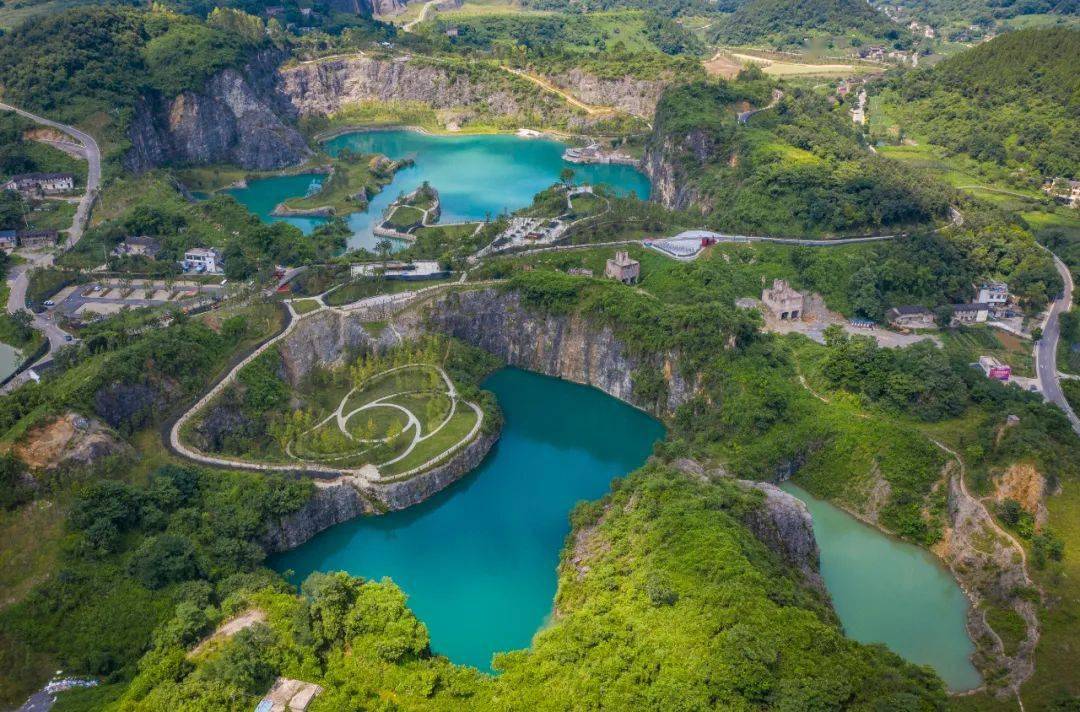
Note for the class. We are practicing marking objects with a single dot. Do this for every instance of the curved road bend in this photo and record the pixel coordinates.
(19, 277)
(1046, 348)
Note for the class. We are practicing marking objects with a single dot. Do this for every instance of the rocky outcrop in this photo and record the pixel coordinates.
(562, 345)
(330, 504)
(783, 523)
(236, 118)
(630, 94)
(70, 439)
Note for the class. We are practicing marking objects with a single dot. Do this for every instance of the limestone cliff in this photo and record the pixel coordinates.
(458, 93)
(630, 94)
(668, 162)
(330, 504)
(236, 118)
(566, 346)
(783, 523)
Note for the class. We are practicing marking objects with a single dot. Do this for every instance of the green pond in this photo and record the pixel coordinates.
(478, 559)
(887, 591)
(10, 358)
(476, 176)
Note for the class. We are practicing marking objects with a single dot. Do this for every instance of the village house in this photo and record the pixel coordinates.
(9, 240)
(202, 259)
(996, 296)
(974, 313)
(36, 239)
(1064, 191)
(783, 301)
(138, 246)
(623, 268)
(36, 184)
(910, 316)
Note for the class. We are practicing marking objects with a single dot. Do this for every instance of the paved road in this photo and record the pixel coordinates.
(1046, 348)
(93, 170)
(18, 277)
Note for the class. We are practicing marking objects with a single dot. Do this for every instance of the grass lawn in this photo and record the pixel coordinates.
(305, 306)
(52, 215)
(404, 218)
(458, 427)
(446, 233)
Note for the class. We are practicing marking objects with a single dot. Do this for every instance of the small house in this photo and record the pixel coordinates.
(623, 268)
(995, 294)
(974, 313)
(995, 369)
(36, 184)
(783, 301)
(202, 259)
(36, 239)
(910, 316)
(9, 240)
(288, 696)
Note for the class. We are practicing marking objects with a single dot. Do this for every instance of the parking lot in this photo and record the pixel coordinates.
(109, 296)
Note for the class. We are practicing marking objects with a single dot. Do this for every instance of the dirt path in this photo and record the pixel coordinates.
(567, 96)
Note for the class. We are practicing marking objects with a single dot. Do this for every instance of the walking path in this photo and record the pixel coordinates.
(553, 89)
(366, 473)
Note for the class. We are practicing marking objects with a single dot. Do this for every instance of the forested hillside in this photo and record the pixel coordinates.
(673, 8)
(98, 60)
(800, 167)
(792, 20)
(1014, 101)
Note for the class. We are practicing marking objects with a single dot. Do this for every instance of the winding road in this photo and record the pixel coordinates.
(19, 276)
(1046, 347)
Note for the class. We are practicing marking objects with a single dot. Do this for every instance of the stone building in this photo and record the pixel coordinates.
(970, 313)
(623, 268)
(910, 316)
(783, 301)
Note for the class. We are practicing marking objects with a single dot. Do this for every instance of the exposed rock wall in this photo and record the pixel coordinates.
(234, 119)
(326, 86)
(634, 96)
(667, 162)
(566, 346)
(404, 494)
(330, 504)
(783, 523)
(326, 339)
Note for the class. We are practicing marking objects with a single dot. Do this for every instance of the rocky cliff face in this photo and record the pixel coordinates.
(330, 504)
(326, 339)
(634, 96)
(324, 87)
(668, 162)
(783, 523)
(234, 119)
(557, 345)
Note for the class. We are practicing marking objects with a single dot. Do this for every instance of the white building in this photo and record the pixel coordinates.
(995, 294)
(202, 259)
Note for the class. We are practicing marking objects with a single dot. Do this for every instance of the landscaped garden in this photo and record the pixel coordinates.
(398, 411)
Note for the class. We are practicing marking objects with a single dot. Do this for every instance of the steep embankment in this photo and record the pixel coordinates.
(630, 94)
(235, 118)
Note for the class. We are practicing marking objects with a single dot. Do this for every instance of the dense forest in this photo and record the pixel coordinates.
(543, 36)
(98, 60)
(1014, 101)
(790, 22)
(673, 8)
(801, 167)
(983, 12)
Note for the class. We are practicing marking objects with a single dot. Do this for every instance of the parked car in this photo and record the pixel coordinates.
(49, 303)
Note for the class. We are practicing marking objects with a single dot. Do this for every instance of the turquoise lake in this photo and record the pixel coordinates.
(478, 560)
(887, 591)
(477, 176)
